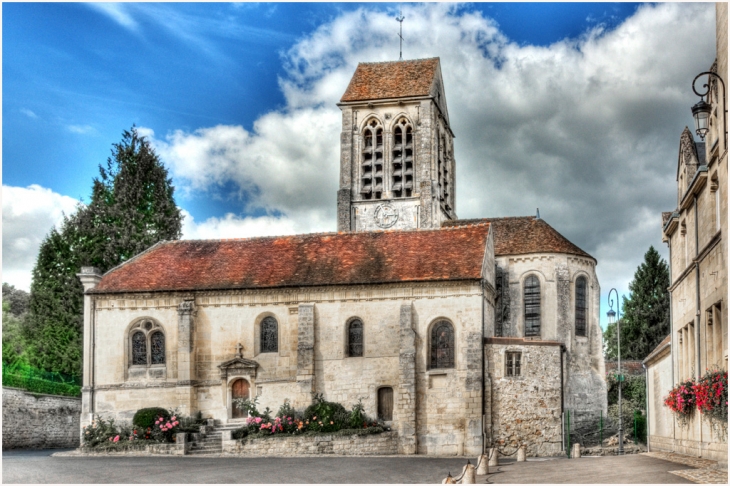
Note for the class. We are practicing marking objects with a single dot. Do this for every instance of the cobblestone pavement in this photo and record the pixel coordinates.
(707, 471)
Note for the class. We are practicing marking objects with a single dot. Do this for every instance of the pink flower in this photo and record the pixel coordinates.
(162, 426)
(167, 424)
(116, 439)
(173, 417)
(258, 420)
(176, 423)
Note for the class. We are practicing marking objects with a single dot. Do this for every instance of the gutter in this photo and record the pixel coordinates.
(646, 406)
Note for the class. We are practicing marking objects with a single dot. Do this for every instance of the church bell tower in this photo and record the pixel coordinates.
(396, 148)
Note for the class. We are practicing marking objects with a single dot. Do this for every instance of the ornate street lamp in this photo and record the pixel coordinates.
(701, 111)
(612, 319)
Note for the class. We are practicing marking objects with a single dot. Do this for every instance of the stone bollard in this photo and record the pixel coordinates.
(469, 475)
(182, 444)
(521, 454)
(576, 451)
(483, 462)
(493, 456)
(448, 480)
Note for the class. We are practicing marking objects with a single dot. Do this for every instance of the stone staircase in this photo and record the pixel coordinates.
(208, 441)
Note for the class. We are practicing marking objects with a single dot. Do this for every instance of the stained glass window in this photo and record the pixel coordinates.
(532, 306)
(354, 338)
(580, 307)
(139, 348)
(158, 347)
(442, 345)
(269, 335)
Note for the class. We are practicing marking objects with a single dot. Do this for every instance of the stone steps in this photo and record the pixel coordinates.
(211, 442)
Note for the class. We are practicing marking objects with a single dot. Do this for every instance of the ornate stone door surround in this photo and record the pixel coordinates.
(232, 370)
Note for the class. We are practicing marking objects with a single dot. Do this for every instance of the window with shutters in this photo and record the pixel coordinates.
(385, 404)
(269, 335)
(532, 306)
(442, 345)
(354, 338)
(371, 167)
(146, 344)
(513, 363)
(580, 306)
(402, 174)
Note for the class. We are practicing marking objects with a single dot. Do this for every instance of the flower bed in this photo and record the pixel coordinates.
(320, 417)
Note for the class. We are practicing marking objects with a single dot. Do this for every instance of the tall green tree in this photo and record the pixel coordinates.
(131, 208)
(644, 313)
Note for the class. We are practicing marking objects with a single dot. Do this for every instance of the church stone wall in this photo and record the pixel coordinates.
(584, 374)
(435, 411)
(525, 410)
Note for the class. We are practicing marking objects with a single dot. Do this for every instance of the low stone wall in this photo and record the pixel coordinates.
(37, 421)
(163, 449)
(346, 445)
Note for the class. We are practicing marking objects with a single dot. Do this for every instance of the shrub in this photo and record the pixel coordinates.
(100, 432)
(321, 415)
(165, 428)
(357, 417)
(247, 405)
(286, 410)
(239, 433)
(711, 395)
(145, 417)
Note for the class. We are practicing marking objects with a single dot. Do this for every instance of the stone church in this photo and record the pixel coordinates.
(458, 333)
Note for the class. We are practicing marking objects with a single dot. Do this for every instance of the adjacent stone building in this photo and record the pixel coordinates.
(458, 333)
(696, 233)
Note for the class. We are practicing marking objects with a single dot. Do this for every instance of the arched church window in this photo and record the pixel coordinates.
(147, 343)
(442, 345)
(354, 338)
(532, 306)
(580, 306)
(158, 347)
(269, 335)
(371, 177)
(402, 159)
(139, 348)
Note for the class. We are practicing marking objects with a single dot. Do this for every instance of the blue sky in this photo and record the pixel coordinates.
(548, 102)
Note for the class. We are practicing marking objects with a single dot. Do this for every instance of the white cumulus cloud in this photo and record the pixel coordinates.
(585, 129)
(29, 213)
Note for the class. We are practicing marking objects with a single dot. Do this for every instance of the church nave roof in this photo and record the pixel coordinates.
(304, 260)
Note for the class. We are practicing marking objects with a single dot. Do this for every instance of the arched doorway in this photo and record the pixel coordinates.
(239, 389)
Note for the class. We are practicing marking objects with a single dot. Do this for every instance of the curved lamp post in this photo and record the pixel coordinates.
(612, 319)
(701, 111)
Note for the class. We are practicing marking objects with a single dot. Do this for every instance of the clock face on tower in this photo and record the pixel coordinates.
(385, 216)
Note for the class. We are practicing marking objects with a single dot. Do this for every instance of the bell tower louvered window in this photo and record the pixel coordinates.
(402, 159)
(532, 306)
(443, 175)
(371, 179)
(442, 345)
(580, 306)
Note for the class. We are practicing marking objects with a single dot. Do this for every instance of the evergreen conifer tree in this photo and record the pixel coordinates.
(645, 313)
(131, 209)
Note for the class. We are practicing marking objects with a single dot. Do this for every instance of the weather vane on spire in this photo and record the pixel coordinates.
(400, 19)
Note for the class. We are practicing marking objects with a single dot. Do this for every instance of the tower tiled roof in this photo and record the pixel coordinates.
(396, 79)
(304, 260)
(524, 234)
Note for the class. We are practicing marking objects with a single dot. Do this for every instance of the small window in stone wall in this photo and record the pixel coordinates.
(580, 306)
(532, 306)
(269, 335)
(513, 363)
(354, 338)
(442, 345)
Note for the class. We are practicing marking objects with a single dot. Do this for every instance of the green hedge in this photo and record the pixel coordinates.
(39, 385)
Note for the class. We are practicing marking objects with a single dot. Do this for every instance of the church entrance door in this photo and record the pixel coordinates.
(239, 390)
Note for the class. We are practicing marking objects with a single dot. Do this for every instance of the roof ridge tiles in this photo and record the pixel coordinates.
(401, 60)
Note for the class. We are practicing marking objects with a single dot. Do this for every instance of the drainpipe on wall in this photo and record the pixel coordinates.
(562, 392)
(698, 361)
(646, 405)
(671, 332)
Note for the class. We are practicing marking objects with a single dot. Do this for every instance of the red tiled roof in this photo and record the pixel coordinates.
(304, 260)
(524, 234)
(397, 79)
(630, 367)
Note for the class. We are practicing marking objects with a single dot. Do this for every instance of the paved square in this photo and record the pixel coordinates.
(40, 467)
